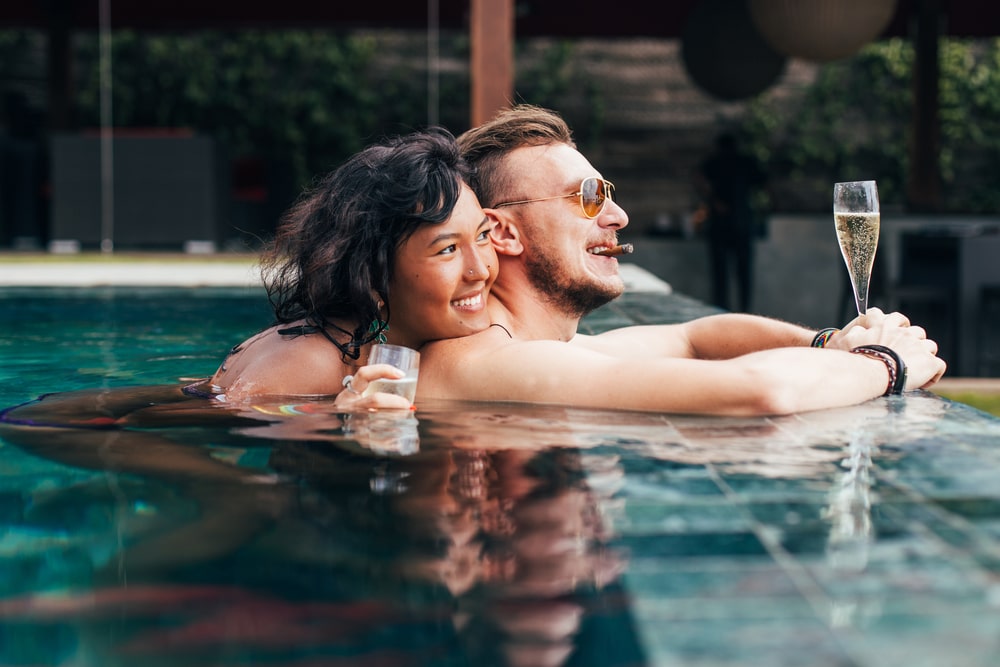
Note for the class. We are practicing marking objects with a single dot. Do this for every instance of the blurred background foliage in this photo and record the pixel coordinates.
(304, 100)
(854, 121)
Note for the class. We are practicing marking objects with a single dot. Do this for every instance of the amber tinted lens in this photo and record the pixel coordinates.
(592, 193)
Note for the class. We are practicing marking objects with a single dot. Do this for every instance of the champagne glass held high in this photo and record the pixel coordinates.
(856, 214)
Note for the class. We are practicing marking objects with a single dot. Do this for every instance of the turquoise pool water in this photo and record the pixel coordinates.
(471, 534)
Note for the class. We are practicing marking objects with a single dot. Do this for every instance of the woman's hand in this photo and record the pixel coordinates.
(354, 386)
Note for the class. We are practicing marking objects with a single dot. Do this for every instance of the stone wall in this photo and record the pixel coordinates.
(657, 125)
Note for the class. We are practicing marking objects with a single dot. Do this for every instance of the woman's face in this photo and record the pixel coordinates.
(443, 275)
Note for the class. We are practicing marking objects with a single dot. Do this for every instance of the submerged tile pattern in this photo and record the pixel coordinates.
(863, 536)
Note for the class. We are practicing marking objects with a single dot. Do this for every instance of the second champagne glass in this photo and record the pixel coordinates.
(403, 358)
(856, 214)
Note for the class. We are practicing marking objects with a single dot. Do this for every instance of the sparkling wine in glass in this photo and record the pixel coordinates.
(856, 214)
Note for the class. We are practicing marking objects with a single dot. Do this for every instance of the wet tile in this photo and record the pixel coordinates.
(980, 480)
(953, 531)
(922, 581)
(968, 640)
(669, 487)
(722, 643)
(759, 487)
(634, 460)
(740, 609)
(682, 545)
(703, 580)
(972, 509)
(640, 517)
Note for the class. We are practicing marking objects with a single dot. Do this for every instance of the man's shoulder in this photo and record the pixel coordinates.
(462, 368)
(482, 341)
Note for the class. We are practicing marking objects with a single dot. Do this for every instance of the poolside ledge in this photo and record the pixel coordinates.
(187, 271)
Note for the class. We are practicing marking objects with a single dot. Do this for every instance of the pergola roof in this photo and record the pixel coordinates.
(492, 35)
(559, 18)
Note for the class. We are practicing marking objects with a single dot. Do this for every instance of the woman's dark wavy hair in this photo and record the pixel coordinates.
(333, 254)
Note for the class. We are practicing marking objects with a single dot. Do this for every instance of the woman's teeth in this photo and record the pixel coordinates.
(468, 301)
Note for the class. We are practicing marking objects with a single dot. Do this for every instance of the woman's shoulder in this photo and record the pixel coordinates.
(283, 364)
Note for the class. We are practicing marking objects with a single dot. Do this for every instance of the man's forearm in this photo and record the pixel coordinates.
(732, 335)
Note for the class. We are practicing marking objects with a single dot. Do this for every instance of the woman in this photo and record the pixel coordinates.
(393, 236)
(390, 247)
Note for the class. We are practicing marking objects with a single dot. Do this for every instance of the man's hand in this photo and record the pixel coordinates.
(911, 343)
(873, 318)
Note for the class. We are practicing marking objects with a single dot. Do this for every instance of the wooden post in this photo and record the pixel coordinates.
(923, 188)
(60, 66)
(491, 32)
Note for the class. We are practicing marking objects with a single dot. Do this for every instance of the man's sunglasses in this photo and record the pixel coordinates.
(594, 194)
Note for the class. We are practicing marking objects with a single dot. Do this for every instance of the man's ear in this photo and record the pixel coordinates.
(505, 235)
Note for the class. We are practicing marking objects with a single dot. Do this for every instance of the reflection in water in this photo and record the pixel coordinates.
(385, 433)
(850, 507)
(299, 535)
(851, 533)
(289, 533)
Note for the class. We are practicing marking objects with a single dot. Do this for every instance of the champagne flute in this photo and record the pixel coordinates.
(856, 214)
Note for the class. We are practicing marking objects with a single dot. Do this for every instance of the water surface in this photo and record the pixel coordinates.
(485, 534)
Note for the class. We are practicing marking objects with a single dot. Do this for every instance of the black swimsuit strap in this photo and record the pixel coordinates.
(502, 327)
(349, 350)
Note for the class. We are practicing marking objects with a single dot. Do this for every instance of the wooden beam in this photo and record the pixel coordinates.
(59, 57)
(923, 188)
(491, 33)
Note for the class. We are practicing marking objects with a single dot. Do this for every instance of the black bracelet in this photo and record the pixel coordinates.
(893, 362)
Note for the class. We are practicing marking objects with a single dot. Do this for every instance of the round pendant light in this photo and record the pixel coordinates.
(723, 53)
(820, 30)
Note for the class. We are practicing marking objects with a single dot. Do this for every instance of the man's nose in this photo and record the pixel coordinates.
(613, 216)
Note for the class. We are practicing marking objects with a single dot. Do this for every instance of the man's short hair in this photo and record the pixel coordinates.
(486, 147)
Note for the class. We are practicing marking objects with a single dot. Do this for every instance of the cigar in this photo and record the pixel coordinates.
(623, 249)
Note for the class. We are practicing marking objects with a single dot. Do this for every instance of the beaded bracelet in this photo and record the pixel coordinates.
(823, 336)
(893, 363)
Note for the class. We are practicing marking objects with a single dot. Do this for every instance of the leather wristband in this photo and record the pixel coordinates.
(893, 363)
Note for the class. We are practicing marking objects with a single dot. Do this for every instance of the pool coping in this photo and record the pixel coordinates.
(226, 271)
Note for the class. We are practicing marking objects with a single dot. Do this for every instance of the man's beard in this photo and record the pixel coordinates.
(572, 298)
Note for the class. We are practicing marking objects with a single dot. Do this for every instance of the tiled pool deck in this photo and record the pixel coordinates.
(865, 536)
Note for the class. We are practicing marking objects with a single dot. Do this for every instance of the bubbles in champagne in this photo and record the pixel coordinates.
(858, 236)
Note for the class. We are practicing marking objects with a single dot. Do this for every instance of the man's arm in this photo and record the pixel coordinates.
(777, 381)
(723, 336)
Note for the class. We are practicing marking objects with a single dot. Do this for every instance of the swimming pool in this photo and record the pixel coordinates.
(473, 534)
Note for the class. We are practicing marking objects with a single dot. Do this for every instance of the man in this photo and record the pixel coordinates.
(552, 214)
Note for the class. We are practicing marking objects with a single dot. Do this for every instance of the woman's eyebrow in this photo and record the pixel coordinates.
(447, 236)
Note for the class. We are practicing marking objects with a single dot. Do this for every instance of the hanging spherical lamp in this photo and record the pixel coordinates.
(724, 55)
(820, 30)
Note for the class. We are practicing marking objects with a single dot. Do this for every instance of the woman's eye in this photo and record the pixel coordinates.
(484, 235)
(447, 251)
